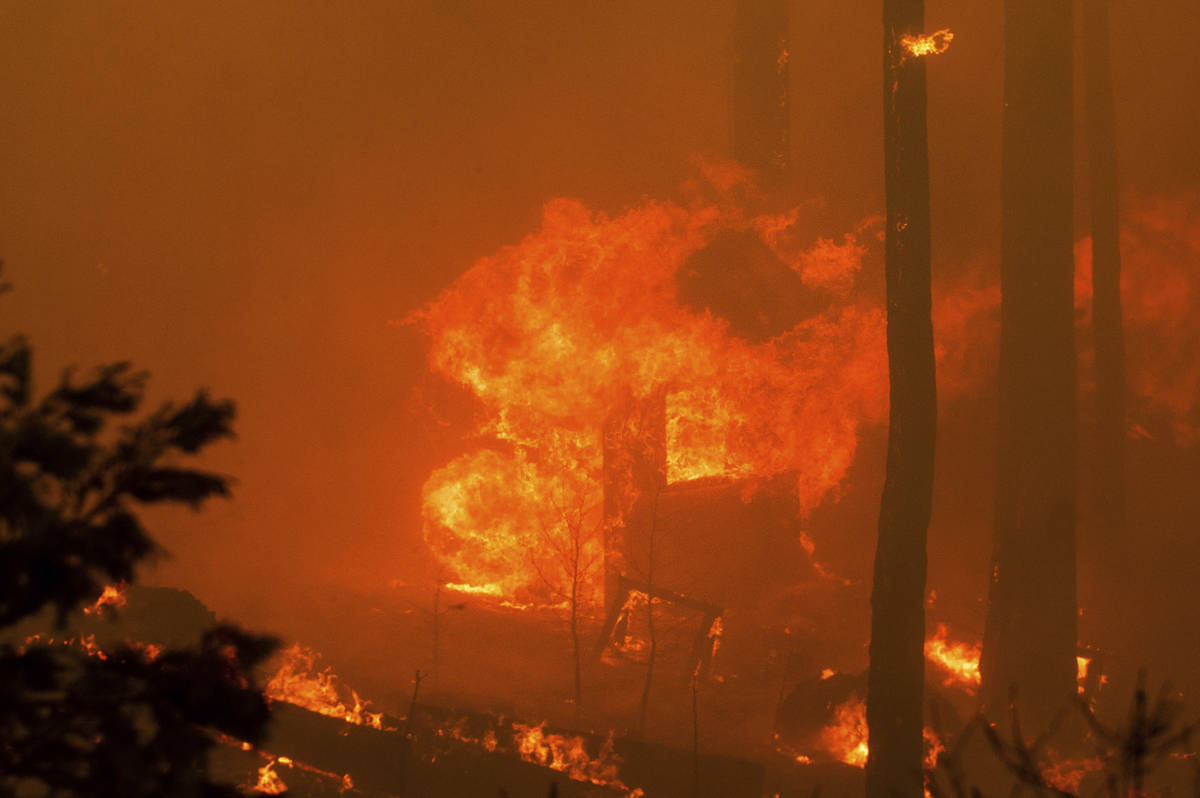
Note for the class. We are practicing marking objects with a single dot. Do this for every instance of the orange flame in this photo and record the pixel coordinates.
(269, 782)
(845, 738)
(112, 598)
(569, 755)
(550, 333)
(959, 661)
(297, 681)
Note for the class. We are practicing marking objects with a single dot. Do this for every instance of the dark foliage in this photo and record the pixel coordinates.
(127, 721)
(1120, 759)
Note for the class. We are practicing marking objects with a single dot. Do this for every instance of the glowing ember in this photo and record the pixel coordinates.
(928, 43)
(933, 747)
(714, 634)
(845, 738)
(269, 782)
(149, 651)
(113, 598)
(87, 644)
(959, 661)
(1068, 774)
(1081, 672)
(297, 681)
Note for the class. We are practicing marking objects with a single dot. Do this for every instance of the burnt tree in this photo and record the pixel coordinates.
(567, 565)
(760, 86)
(896, 677)
(1107, 326)
(1029, 638)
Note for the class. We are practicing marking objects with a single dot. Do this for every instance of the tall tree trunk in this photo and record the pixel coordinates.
(760, 86)
(896, 678)
(576, 557)
(1029, 640)
(1109, 479)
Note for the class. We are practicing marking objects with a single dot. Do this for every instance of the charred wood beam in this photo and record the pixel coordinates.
(615, 620)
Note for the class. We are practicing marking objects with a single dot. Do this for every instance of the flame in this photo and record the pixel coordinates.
(475, 590)
(551, 333)
(569, 755)
(933, 748)
(845, 738)
(269, 782)
(297, 681)
(924, 44)
(112, 598)
(959, 661)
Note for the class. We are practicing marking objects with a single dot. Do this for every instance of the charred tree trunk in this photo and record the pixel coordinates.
(760, 87)
(1029, 640)
(1107, 326)
(896, 677)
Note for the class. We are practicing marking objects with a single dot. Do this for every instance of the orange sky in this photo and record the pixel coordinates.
(242, 195)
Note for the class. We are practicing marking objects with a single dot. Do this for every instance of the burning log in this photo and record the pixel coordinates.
(375, 759)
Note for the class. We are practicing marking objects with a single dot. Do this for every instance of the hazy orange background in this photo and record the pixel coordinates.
(242, 195)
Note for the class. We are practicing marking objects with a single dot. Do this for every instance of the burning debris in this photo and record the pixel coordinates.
(270, 782)
(299, 681)
(569, 755)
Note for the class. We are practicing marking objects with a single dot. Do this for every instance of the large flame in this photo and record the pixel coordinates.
(553, 332)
